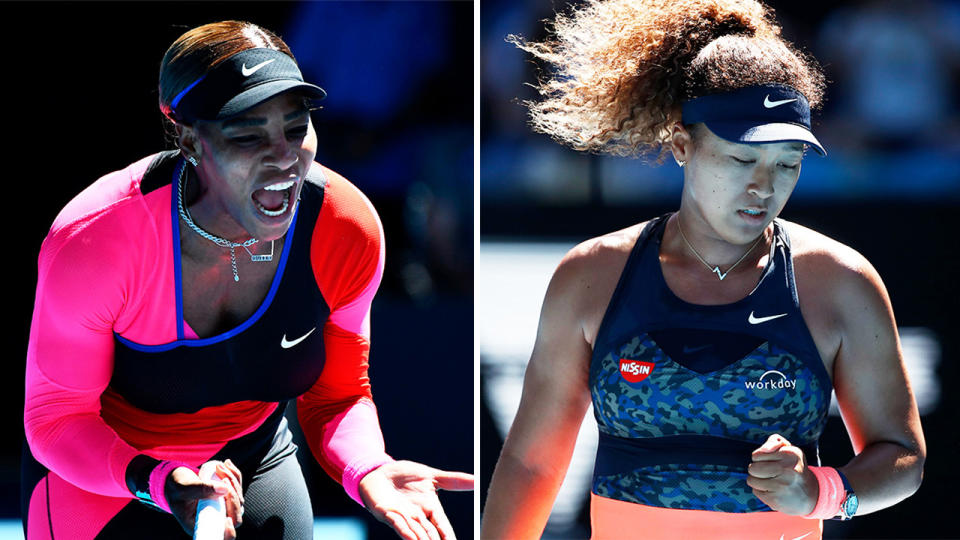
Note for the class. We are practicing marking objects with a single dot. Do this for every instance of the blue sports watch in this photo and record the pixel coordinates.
(850, 501)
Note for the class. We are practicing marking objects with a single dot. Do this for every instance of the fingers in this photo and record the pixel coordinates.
(453, 481)
(439, 519)
(185, 486)
(416, 526)
(769, 463)
(234, 473)
(773, 472)
(210, 486)
(229, 473)
(223, 479)
(229, 530)
(424, 528)
(772, 444)
(396, 521)
(770, 468)
(763, 484)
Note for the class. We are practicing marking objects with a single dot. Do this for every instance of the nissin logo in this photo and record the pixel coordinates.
(634, 371)
(771, 380)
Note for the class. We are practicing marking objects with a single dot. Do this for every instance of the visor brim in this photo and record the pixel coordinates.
(766, 133)
(251, 97)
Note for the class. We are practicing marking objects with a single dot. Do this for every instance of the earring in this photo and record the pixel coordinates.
(193, 161)
(681, 163)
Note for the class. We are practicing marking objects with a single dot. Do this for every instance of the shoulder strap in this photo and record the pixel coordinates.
(651, 231)
(160, 171)
(315, 176)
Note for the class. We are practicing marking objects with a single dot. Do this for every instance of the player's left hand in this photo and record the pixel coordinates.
(780, 478)
(403, 494)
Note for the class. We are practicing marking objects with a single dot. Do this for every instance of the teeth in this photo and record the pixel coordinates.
(752, 212)
(280, 187)
(278, 212)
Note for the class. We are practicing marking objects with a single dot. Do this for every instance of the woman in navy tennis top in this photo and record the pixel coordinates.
(708, 340)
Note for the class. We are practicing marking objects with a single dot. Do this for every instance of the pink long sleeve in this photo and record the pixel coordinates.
(337, 414)
(81, 287)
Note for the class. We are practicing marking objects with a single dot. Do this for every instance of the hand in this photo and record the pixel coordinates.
(184, 489)
(403, 494)
(780, 478)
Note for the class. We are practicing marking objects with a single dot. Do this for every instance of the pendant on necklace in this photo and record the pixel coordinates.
(262, 258)
(724, 274)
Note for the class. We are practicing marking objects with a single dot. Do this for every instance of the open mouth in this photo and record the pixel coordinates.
(274, 200)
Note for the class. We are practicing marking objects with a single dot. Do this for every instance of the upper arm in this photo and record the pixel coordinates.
(555, 391)
(870, 380)
(76, 304)
(80, 294)
(347, 253)
(347, 258)
(337, 413)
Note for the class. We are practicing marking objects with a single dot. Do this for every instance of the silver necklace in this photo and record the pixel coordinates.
(715, 269)
(222, 242)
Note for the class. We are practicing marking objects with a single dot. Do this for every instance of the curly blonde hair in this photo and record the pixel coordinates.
(621, 68)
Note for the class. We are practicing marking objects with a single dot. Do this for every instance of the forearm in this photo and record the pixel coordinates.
(883, 474)
(68, 437)
(520, 499)
(348, 445)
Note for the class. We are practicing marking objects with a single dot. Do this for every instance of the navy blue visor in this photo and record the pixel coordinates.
(240, 82)
(761, 114)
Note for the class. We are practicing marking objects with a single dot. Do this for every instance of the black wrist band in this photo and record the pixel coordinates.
(848, 508)
(846, 483)
(138, 477)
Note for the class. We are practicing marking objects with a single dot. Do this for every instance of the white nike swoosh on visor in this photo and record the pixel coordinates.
(287, 344)
(758, 320)
(250, 71)
(771, 104)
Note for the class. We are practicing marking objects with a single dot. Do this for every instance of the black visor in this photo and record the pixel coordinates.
(240, 82)
(761, 114)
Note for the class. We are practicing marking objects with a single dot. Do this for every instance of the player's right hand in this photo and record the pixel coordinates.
(184, 489)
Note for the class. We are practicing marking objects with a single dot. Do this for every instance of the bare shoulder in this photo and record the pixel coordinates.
(609, 248)
(586, 278)
(595, 258)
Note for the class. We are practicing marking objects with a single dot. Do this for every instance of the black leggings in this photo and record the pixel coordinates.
(276, 502)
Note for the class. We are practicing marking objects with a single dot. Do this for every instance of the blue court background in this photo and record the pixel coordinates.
(398, 122)
(339, 528)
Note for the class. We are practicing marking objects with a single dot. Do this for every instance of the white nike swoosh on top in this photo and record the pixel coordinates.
(758, 320)
(771, 104)
(250, 71)
(287, 344)
(799, 537)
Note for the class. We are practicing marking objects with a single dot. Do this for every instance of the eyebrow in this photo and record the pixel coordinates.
(246, 121)
(795, 147)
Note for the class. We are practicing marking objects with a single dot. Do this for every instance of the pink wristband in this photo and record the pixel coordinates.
(356, 470)
(831, 493)
(158, 478)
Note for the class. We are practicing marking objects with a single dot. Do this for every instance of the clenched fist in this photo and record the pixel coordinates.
(780, 478)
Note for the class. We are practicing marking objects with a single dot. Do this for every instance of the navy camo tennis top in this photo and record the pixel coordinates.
(683, 393)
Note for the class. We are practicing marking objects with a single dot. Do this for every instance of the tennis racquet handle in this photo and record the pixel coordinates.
(211, 513)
